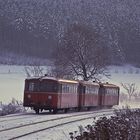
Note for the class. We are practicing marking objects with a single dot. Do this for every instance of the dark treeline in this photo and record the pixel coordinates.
(22, 41)
(35, 28)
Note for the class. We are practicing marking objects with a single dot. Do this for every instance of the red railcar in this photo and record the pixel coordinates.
(50, 94)
(88, 94)
(108, 95)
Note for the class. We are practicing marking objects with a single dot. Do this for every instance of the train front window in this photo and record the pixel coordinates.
(48, 86)
(32, 86)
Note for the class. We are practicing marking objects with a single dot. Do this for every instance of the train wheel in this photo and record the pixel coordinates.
(88, 108)
(66, 110)
(79, 108)
(54, 111)
(36, 110)
(109, 107)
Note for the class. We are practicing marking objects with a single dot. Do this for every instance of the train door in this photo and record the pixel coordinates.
(118, 95)
(59, 95)
(81, 93)
(101, 95)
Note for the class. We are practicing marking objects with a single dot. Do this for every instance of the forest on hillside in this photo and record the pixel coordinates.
(35, 28)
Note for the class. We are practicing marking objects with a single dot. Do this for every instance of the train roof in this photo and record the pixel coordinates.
(89, 83)
(43, 77)
(109, 85)
(61, 80)
(72, 81)
(54, 79)
(68, 81)
(32, 78)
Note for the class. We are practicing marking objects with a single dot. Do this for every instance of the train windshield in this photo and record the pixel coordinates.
(32, 86)
(41, 86)
(48, 86)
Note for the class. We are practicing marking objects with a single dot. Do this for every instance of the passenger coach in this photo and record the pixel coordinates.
(108, 95)
(88, 94)
(50, 94)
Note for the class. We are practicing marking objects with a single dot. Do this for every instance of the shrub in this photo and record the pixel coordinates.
(124, 125)
(13, 107)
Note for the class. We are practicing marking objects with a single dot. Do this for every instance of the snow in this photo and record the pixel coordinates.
(57, 133)
(125, 74)
(11, 83)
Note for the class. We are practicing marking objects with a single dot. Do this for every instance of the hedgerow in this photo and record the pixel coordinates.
(124, 125)
(11, 108)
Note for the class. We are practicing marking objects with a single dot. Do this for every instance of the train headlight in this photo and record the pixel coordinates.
(49, 97)
(29, 96)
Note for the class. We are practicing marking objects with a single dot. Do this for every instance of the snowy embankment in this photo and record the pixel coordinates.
(12, 80)
(46, 126)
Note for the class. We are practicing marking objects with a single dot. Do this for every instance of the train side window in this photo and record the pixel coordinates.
(116, 91)
(74, 89)
(107, 91)
(113, 91)
(65, 88)
(86, 90)
(91, 89)
(96, 90)
(60, 88)
(70, 88)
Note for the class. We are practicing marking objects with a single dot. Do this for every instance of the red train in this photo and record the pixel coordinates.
(48, 93)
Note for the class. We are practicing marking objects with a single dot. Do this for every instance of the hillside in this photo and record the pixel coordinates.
(34, 28)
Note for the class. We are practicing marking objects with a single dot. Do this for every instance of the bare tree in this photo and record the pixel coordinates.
(137, 96)
(123, 97)
(34, 71)
(80, 54)
(130, 89)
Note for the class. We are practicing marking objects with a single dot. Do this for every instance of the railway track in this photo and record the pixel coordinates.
(15, 116)
(28, 118)
(18, 117)
(21, 131)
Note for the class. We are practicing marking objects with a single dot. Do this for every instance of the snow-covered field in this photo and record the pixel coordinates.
(125, 74)
(12, 79)
(11, 83)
